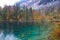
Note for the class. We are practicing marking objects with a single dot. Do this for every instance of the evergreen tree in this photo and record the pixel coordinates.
(31, 13)
(16, 9)
(4, 11)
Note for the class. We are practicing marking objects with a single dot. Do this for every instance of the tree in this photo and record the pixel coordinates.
(4, 12)
(30, 13)
(16, 9)
(25, 11)
(0, 13)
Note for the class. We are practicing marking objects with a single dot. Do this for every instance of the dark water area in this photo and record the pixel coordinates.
(25, 30)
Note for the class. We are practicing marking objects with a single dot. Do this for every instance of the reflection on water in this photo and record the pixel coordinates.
(7, 37)
(24, 31)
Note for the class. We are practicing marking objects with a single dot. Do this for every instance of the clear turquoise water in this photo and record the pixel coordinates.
(26, 31)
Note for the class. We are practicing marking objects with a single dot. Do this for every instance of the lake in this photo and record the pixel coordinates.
(24, 30)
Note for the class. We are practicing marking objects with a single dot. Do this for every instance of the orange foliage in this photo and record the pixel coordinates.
(56, 34)
(42, 17)
(35, 14)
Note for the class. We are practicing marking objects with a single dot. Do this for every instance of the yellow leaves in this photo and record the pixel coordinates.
(57, 22)
(55, 35)
(35, 16)
(59, 15)
(49, 17)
